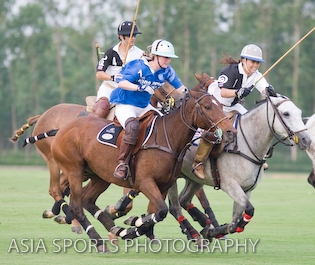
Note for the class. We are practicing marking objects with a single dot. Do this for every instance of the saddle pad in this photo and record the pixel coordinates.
(109, 134)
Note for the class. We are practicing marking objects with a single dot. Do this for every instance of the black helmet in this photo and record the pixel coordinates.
(125, 29)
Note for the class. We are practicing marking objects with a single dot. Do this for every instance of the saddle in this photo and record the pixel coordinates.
(145, 122)
(113, 132)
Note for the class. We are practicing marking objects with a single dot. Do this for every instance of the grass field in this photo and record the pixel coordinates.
(281, 232)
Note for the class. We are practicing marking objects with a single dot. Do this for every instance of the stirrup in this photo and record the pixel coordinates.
(197, 172)
(197, 165)
(127, 171)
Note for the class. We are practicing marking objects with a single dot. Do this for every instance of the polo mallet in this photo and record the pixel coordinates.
(98, 51)
(132, 30)
(284, 55)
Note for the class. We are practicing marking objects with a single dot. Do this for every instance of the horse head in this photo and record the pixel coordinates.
(209, 115)
(286, 121)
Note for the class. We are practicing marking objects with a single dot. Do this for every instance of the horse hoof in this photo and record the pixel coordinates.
(103, 249)
(60, 220)
(155, 241)
(48, 214)
(131, 220)
(76, 229)
(112, 238)
(201, 243)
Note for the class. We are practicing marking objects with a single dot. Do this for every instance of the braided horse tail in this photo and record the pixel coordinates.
(35, 138)
(30, 122)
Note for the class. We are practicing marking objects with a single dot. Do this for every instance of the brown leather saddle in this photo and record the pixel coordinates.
(145, 122)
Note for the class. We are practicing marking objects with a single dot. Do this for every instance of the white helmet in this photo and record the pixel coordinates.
(252, 52)
(162, 48)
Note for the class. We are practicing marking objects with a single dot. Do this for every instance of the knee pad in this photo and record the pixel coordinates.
(132, 128)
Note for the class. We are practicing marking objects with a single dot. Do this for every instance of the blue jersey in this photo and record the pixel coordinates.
(138, 72)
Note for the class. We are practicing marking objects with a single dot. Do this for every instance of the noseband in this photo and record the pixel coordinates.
(291, 135)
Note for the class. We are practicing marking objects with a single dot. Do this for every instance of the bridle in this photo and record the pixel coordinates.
(291, 135)
(209, 122)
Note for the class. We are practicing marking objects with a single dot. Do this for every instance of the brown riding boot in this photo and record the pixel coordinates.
(132, 127)
(202, 153)
(101, 107)
(122, 171)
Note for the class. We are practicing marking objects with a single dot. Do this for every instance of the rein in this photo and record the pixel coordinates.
(179, 157)
(291, 134)
(258, 161)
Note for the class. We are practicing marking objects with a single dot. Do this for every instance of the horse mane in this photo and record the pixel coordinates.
(228, 59)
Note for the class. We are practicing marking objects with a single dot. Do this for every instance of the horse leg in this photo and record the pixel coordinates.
(241, 215)
(176, 211)
(311, 178)
(243, 211)
(185, 199)
(206, 206)
(143, 224)
(64, 186)
(91, 192)
(123, 206)
(77, 209)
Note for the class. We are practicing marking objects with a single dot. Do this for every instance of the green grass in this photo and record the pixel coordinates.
(283, 225)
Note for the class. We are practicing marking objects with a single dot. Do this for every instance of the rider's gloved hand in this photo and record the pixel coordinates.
(243, 91)
(271, 91)
(146, 88)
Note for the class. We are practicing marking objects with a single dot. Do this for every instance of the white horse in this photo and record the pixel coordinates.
(240, 167)
(310, 125)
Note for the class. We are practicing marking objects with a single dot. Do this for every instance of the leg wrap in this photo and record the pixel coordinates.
(147, 221)
(125, 200)
(187, 228)
(150, 233)
(241, 224)
(211, 216)
(117, 215)
(90, 231)
(66, 192)
(56, 208)
(107, 222)
(198, 216)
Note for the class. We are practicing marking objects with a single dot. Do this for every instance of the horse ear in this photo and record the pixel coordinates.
(198, 77)
(205, 75)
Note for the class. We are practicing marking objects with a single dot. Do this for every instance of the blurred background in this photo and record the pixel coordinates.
(48, 56)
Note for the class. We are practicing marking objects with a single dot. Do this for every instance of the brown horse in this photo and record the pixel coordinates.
(156, 167)
(55, 117)
(60, 115)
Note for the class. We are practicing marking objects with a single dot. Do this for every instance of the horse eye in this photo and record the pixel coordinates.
(207, 107)
(286, 114)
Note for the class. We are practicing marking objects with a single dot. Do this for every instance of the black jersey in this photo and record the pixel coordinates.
(230, 77)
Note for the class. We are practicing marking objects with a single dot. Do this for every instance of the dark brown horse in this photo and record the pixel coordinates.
(156, 167)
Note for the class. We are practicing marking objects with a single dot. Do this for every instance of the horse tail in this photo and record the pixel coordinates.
(33, 139)
(30, 122)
